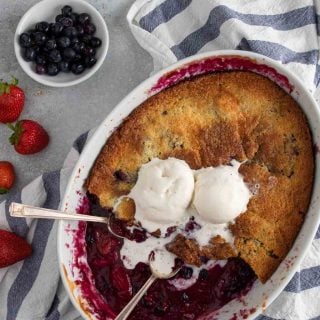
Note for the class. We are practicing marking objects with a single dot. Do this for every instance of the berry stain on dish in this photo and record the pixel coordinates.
(66, 45)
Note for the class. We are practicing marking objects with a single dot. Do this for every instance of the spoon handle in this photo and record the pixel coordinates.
(124, 314)
(25, 211)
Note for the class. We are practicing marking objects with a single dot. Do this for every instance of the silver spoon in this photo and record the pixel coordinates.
(156, 274)
(26, 211)
(20, 210)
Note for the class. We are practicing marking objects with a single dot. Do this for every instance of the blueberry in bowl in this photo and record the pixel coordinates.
(62, 43)
(54, 44)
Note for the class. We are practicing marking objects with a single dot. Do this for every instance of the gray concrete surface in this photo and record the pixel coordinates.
(68, 112)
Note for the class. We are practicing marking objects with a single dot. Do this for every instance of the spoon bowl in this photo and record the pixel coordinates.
(156, 274)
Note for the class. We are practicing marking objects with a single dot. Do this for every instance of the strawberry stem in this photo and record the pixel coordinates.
(17, 131)
(14, 81)
(3, 190)
(10, 126)
(5, 86)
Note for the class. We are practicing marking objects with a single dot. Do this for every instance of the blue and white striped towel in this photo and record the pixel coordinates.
(287, 31)
(32, 289)
(170, 30)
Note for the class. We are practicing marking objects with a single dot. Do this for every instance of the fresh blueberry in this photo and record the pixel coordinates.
(42, 26)
(70, 32)
(66, 22)
(89, 28)
(77, 58)
(29, 54)
(78, 47)
(59, 17)
(41, 59)
(74, 16)
(87, 39)
(69, 54)
(80, 30)
(66, 11)
(40, 38)
(83, 18)
(50, 44)
(90, 61)
(74, 41)
(77, 68)
(54, 56)
(52, 69)
(56, 28)
(36, 49)
(32, 33)
(25, 40)
(64, 66)
(63, 42)
(40, 69)
(95, 42)
(89, 52)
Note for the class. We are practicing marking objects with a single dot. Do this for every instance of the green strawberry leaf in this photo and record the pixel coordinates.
(14, 81)
(17, 131)
(5, 87)
(3, 190)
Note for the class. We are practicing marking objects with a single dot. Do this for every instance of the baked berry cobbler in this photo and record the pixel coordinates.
(217, 171)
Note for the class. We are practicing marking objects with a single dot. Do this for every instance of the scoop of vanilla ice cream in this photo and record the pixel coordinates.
(220, 193)
(162, 193)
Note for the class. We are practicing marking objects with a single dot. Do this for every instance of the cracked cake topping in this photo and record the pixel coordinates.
(207, 121)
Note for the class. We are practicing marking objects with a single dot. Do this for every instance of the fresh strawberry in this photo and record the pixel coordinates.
(11, 101)
(121, 281)
(7, 176)
(28, 137)
(12, 248)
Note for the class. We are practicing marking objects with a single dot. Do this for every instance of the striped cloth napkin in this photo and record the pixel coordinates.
(32, 289)
(170, 30)
(287, 31)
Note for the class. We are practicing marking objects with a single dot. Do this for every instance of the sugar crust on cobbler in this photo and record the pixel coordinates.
(208, 121)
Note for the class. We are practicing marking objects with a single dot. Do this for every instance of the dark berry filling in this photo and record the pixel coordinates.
(212, 289)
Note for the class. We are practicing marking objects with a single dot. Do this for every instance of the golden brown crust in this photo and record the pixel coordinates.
(190, 251)
(207, 121)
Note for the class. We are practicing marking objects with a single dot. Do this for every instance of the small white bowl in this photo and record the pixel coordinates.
(46, 10)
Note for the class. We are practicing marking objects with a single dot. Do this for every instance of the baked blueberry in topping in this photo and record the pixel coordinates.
(121, 175)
